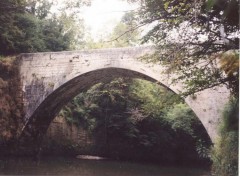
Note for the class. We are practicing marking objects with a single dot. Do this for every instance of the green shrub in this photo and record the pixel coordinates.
(225, 152)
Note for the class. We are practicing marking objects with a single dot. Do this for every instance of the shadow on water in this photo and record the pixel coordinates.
(83, 167)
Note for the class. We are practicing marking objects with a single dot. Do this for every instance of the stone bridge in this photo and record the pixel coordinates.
(51, 79)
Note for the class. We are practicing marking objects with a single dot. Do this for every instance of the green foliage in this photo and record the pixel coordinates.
(230, 117)
(230, 65)
(202, 149)
(182, 117)
(73, 30)
(148, 94)
(190, 35)
(79, 112)
(225, 152)
(39, 8)
(29, 38)
(135, 119)
(9, 10)
(53, 35)
(124, 34)
(28, 26)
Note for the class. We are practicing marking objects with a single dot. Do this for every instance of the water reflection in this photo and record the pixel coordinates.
(73, 166)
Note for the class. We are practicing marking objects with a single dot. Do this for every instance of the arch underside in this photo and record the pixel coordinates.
(38, 123)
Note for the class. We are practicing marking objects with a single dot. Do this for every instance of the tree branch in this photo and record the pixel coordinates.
(130, 30)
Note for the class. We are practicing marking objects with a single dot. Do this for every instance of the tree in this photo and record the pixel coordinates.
(69, 15)
(125, 26)
(29, 38)
(136, 119)
(154, 99)
(39, 8)
(29, 26)
(124, 34)
(200, 40)
(73, 29)
(9, 9)
(225, 154)
(190, 35)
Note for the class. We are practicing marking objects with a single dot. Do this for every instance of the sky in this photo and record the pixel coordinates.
(103, 15)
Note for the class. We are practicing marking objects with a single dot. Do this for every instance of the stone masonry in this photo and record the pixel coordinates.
(50, 80)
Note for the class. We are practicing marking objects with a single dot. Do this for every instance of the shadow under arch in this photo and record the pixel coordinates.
(37, 125)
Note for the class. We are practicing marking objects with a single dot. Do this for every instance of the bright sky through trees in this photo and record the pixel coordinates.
(103, 15)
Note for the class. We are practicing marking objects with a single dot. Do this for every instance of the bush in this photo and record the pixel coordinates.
(225, 152)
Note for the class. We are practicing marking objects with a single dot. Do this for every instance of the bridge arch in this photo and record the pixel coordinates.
(52, 79)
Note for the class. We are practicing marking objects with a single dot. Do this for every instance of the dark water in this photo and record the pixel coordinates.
(72, 166)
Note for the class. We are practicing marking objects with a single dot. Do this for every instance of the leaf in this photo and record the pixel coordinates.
(210, 4)
(166, 5)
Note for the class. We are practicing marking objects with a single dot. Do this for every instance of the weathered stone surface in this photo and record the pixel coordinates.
(64, 134)
(50, 80)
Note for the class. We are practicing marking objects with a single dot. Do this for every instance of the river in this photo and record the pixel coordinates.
(81, 167)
